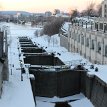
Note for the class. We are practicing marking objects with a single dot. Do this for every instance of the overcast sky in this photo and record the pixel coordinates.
(44, 5)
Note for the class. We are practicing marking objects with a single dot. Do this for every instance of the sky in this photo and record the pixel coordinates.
(45, 5)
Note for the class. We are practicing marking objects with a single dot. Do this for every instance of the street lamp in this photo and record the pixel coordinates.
(21, 65)
(11, 68)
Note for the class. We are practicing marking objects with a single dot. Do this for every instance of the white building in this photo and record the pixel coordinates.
(104, 8)
(88, 40)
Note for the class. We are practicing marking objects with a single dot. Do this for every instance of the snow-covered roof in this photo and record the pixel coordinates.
(61, 15)
(84, 19)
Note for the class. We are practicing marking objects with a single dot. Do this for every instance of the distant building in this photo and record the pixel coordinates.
(104, 8)
(56, 11)
(17, 15)
(48, 14)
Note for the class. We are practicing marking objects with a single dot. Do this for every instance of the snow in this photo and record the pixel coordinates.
(65, 26)
(56, 99)
(62, 15)
(81, 103)
(101, 73)
(44, 104)
(17, 93)
(84, 19)
(71, 59)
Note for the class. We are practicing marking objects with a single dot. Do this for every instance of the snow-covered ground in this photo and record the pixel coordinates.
(17, 93)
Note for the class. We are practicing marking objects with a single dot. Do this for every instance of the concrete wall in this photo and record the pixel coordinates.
(61, 84)
(32, 50)
(68, 83)
(1, 44)
(99, 93)
(42, 60)
(64, 41)
(1, 78)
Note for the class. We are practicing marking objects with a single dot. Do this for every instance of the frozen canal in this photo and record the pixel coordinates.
(17, 93)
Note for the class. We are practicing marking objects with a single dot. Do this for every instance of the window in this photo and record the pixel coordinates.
(99, 47)
(87, 42)
(105, 6)
(79, 38)
(101, 26)
(92, 44)
(106, 50)
(96, 25)
(105, 27)
(75, 37)
(72, 36)
(82, 40)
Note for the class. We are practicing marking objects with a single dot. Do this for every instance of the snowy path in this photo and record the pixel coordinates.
(16, 93)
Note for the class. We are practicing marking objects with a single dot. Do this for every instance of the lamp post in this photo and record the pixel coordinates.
(11, 68)
(86, 24)
(21, 65)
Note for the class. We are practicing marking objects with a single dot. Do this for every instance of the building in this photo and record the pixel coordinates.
(104, 8)
(4, 74)
(48, 14)
(88, 37)
(90, 40)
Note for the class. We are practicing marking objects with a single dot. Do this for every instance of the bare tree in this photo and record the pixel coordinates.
(53, 27)
(99, 9)
(74, 13)
(90, 9)
(56, 11)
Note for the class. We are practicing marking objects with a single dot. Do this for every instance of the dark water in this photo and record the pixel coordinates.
(62, 104)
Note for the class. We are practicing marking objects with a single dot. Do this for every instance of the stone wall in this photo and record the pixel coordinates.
(1, 44)
(1, 78)
(33, 50)
(42, 60)
(61, 84)
(99, 93)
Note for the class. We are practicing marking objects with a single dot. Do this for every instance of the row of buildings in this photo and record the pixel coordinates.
(88, 37)
(4, 74)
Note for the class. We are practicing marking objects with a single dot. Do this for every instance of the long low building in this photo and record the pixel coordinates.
(90, 40)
